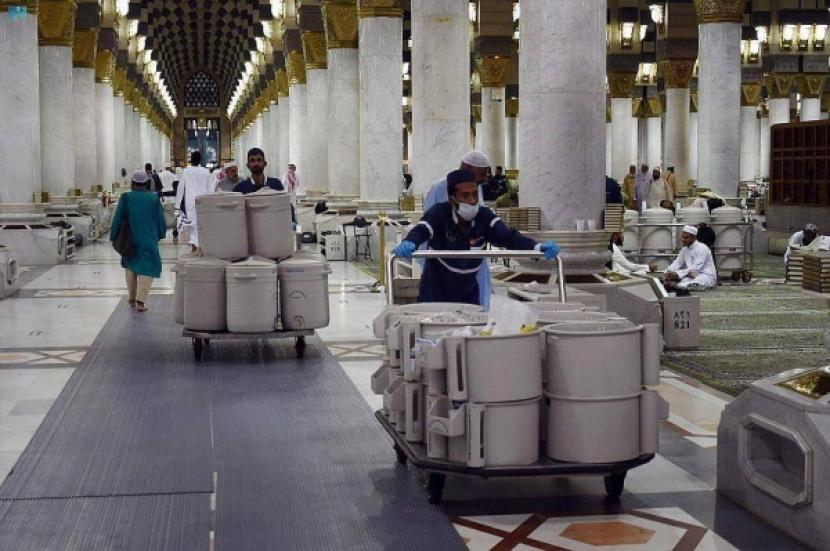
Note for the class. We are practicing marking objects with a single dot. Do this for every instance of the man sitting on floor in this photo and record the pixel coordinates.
(694, 268)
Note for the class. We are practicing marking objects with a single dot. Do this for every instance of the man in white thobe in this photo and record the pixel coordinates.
(694, 267)
(658, 190)
(805, 240)
(167, 178)
(196, 181)
(620, 264)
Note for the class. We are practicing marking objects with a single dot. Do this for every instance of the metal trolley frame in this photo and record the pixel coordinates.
(437, 469)
(201, 339)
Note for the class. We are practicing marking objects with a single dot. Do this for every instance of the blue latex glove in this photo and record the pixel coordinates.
(551, 250)
(405, 249)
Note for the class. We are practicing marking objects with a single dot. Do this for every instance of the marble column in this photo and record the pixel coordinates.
(677, 75)
(511, 143)
(105, 133)
(317, 148)
(779, 87)
(719, 83)
(609, 146)
(763, 144)
(693, 136)
(440, 88)
(119, 135)
(750, 98)
(272, 138)
(811, 86)
(343, 134)
(654, 141)
(285, 119)
(84, 127)
(562, 94)
(297, 112)
(623, 125)
(381, 89)
(57, 135)
(492, 70)
(20, 151)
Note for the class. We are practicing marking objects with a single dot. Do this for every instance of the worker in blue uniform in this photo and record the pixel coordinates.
(461, 224)
(479, 164)
(258, 181)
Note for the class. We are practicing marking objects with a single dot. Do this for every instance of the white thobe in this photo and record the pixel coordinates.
(621, 265)
(196, 181)
(658, 190)
(796, 243)
(167, 179)
(695, 258)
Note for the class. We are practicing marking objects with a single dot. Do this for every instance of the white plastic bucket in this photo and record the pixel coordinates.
(221, 224)
(252, 296)
(270, 230)
(304, 292)
(205, 295)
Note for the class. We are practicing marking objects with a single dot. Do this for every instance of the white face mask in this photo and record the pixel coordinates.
(467, 212)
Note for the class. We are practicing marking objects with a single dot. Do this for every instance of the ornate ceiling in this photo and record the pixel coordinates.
(200, 35)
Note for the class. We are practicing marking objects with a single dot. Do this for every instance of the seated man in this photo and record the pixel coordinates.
(620, 264)
(803, 240)
(694, 267)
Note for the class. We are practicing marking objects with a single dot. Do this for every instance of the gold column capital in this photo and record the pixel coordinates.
(811, 85)
(720, 11)
(751, 94)
(475, 111)
(282, 83)
(341, 23)
(677, 73)
(104, 66)
(30, 5)
(638, 108)
(295, 62)
(620, 84)
(779, 85)
(511, 108)
(694, 99)
(84, 46)
(380, 8)
(314, 50)
(653, 107)
(119, 76)
(56, 22)
(492, 70)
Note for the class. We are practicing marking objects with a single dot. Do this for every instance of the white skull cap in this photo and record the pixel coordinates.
(476, 159)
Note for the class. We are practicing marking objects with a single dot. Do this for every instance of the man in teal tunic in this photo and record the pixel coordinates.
(146, 218)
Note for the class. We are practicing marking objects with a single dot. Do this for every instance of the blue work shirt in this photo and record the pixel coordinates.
(438, 194)
(455, 280)
(248, 186)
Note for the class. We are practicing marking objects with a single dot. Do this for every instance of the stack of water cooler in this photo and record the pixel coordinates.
(248, 276)
(577, 389)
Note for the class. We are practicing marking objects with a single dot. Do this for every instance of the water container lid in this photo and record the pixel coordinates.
(253, 264)
(218, 196)
(304, 264)
(592, 328)
(658, 212)
(728, 212)
(207, 263)
(266, 191)
(184, 260)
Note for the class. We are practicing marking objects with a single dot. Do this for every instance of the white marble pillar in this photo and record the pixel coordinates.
(749, 142)
(84, 127)
(57, 134)
(562, 94)
(381, 113)
(118, 140)
(317, 148)
(440, 88)
(259, 132)
(285, 123)
(511, 153)
(676, 146)
(654, 142)
(694, 172)
(272, 138)
(105, 137)
(298, 130)
(344, 121)
(609, 148)
(764, 147)
(779, 110)
(810, 109)
(145, 130)
(20, 151)
(624, 134)
(719, 112)
(493, 125)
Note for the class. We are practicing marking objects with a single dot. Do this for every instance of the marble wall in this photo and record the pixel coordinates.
(20, 104)
(84, 126)
(317, 130)
(57, 133)
(381, 117)
(565, 177)
(344, 121)
(440, 88)
(719, 114)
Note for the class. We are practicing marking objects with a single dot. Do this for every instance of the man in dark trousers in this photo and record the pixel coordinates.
(154, 178)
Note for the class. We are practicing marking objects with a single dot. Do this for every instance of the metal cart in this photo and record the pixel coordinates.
(201, 339)
(437, 469)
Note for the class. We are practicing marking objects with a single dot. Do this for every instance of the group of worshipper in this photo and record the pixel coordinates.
(649, 188)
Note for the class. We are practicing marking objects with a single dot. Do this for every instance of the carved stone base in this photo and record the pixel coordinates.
(583, 253)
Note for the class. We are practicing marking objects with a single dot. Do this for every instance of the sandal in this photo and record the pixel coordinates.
(131, 302)
(139, 306)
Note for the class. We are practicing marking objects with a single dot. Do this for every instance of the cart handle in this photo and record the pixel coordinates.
(390, 265)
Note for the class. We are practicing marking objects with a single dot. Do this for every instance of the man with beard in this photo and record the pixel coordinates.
(258, 181)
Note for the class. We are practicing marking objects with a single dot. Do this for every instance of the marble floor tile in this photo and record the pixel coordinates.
(14, 440)
(360, 373)
(7, 461)
(92, 276)
(31, 407)
(53, 322)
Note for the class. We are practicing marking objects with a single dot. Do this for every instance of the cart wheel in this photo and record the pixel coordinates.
(614, 484)
(435, 487)
(197, 348)
(736, 276)
(746, 277)
(400, 455)
(300, 347)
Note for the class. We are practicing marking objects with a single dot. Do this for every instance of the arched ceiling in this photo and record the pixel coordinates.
(190, 35)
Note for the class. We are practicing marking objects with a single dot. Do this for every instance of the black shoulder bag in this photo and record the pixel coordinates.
(123, 243)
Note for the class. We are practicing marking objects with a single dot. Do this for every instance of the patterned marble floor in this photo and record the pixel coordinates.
(669, 503)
